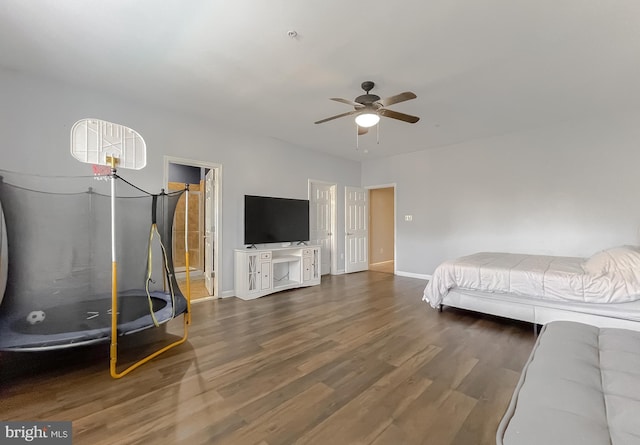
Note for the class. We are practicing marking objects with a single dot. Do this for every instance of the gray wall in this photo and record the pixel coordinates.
(36, 116)
(571, 190)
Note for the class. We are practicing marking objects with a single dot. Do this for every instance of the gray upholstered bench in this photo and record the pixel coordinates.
(580, 386)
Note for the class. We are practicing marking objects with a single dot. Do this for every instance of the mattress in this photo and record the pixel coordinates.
(580, 386)
(609, 276)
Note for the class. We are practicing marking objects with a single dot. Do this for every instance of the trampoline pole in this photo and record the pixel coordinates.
(113, 351)
(186, 250)
(114, 296)
(114, 304)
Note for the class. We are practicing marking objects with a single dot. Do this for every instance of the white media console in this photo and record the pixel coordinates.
(263, 271)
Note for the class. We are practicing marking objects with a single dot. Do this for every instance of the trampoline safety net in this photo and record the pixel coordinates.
(58, 284)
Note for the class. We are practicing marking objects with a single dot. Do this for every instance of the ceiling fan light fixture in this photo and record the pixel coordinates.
(367, 120)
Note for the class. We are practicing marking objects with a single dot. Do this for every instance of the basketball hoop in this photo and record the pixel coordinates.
(98, 142)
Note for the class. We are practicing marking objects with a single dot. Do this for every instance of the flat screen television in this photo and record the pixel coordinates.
(275, 220)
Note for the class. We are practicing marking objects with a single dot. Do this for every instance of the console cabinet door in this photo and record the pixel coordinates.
(252, 273)
(265, 275)
(315, 264)
(310, 264)
(306, 268)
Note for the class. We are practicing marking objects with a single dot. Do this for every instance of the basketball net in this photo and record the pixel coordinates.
(101, 172)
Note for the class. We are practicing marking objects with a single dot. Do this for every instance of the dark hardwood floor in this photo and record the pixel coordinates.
(359, 359)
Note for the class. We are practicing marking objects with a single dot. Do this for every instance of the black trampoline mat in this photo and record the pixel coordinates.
(87, 315)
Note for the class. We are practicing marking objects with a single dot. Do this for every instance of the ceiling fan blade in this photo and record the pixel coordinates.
(348, 102)
(362, 130)
(407, 95)
(400, 116)
(348, 113)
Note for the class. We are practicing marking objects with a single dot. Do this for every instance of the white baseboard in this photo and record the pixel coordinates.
(420, 276)
(229, 293)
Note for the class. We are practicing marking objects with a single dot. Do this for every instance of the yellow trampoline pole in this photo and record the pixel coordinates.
(113, 350)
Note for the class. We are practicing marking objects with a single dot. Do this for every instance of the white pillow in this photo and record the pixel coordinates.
(613, 259)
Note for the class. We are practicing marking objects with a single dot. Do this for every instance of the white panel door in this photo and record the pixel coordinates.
(356, 229)
(209, 231)
(320, 209)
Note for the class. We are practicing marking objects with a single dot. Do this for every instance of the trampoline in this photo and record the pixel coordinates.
(59, 271)
(86, 322)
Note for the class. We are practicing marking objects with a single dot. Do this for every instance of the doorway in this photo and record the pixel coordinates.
(382, 229)
(203, 230)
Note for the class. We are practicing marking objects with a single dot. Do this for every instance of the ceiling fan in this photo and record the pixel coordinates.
(369, 107)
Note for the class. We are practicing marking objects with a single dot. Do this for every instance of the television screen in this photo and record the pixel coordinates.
(275, 220)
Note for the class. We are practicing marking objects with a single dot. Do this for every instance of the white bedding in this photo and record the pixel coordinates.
(609, 276)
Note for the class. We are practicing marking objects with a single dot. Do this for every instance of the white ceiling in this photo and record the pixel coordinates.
(479, 68)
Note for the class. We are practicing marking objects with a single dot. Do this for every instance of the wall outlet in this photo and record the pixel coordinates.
(408, 217)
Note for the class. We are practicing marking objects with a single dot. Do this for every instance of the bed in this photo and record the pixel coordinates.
(602, 290)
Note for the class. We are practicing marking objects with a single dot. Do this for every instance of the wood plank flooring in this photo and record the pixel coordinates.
(198, 288)
(386, 266)
(359, 359)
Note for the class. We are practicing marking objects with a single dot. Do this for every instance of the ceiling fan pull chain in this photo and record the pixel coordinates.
(357, 138)
(378, 133)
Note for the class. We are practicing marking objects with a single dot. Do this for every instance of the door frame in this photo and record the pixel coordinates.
(217, 208)
(334, 222)
(395, 220)
(210, 212)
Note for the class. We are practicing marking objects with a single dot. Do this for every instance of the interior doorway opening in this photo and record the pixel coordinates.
(203, 229)
(382, 229)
